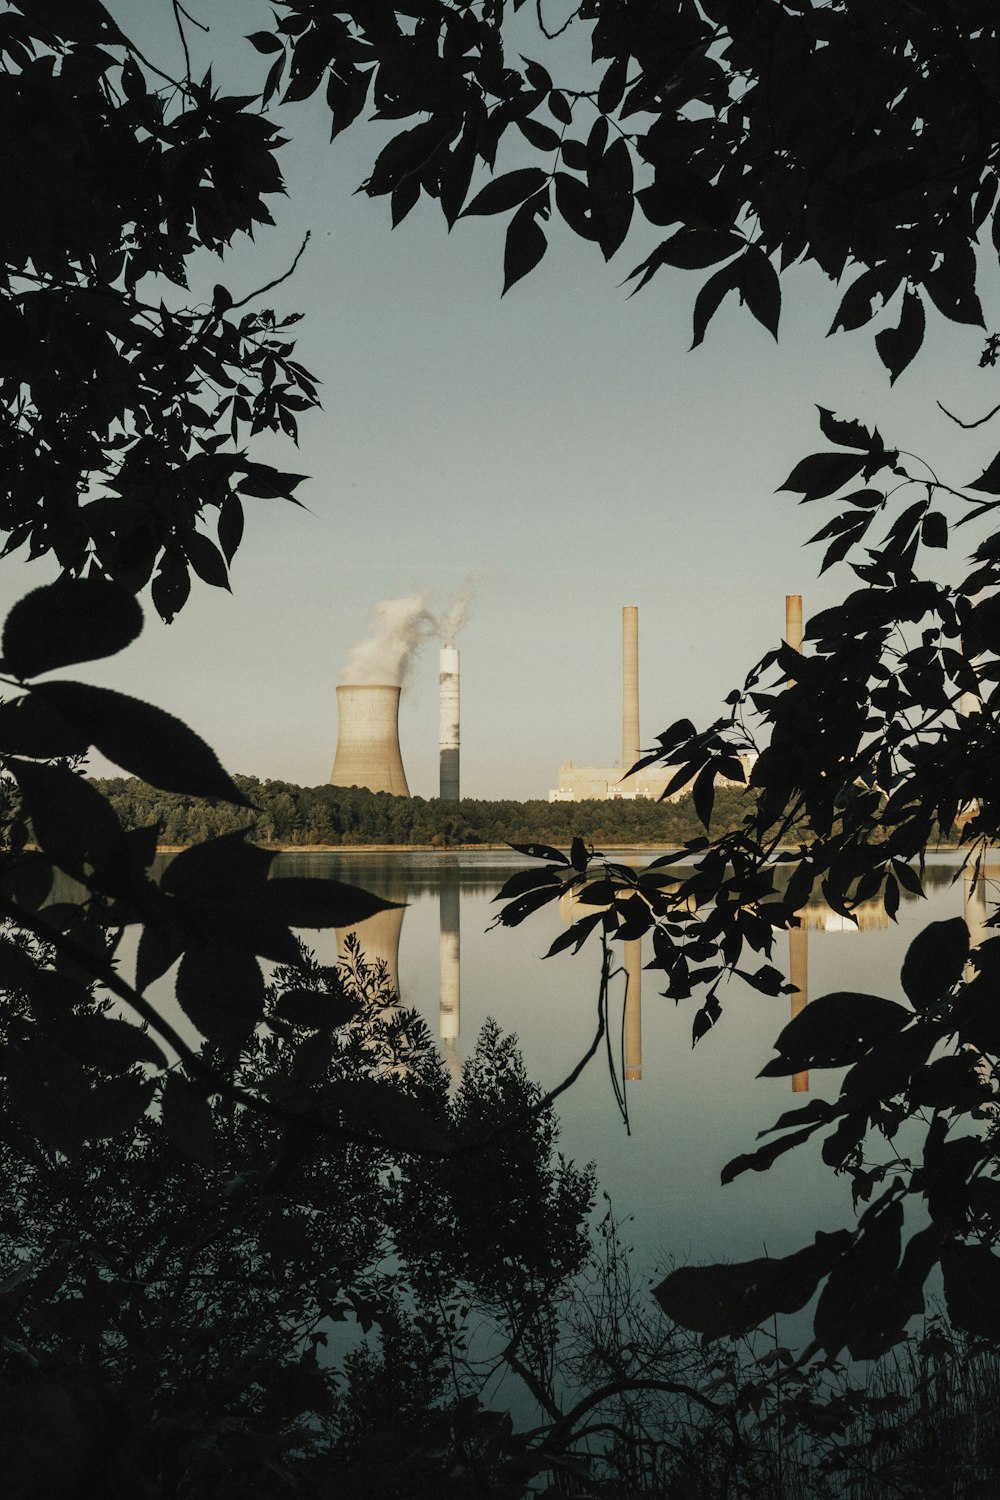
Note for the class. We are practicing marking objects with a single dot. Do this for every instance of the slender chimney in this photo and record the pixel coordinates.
(630, 687)
(368, 739)
(448, 731)
(793, 621)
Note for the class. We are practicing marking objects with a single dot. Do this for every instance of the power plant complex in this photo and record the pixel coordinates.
(368, 753)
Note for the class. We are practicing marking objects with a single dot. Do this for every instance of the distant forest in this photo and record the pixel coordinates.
(291, 816)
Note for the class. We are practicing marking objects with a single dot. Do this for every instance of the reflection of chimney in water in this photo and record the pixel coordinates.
(450, 971)
(974, 910)
(633, 1009)
(798, 973)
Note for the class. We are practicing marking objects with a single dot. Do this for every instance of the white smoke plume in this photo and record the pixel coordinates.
(388, 655)
(402, 626)
(454, 617)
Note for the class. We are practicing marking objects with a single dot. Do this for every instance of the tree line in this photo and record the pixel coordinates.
(282, 814)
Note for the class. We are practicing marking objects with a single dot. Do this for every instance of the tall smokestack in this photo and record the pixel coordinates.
(630, 686)
(368, 739)
(793, 621)
(448, 732)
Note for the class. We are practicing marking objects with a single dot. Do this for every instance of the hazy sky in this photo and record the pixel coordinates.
(559, 449)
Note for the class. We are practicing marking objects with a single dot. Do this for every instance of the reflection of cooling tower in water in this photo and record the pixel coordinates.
(368, 739)
(379, 939)
(450, 972)
(798, 974)
(633, 1009)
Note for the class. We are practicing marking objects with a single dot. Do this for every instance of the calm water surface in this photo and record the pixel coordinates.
(691, 1110)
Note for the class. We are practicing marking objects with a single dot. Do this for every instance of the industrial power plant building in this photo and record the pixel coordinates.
(612, 783)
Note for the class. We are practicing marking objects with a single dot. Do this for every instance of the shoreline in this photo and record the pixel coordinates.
(660, 848)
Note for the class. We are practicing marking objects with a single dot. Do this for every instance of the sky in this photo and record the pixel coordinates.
(557, 454)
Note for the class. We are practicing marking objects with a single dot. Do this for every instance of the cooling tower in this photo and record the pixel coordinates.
(368, 740)
(630, 686)
(448, 731)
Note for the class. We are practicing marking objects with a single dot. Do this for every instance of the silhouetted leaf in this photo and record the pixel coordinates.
(144, 740)
(72, 822)
(989, 480)
(221, 990)
(515, 911)
(264, 41)
(694, 249)
(507, 191)
(934, 529)
(729, 1301)
(316, 1011)
(760, 287)
(847, 434)
(864, 1306)
(524, 247)
(29, 726)
(833, 1031)
(710, 298)
(302, 902)
(526, 880)
(575, 935)
(206, 559)
(70, 621)
(897, 346)
(542, 137)
(822, 474)
(541, 851)
(705, 1018)
(765, 1156)
(934, 962)
(267, 483)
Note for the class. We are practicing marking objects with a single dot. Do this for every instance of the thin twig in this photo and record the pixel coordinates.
(978, 423)
(277, 280)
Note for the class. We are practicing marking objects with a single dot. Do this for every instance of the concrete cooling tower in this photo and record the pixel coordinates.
(368, 739)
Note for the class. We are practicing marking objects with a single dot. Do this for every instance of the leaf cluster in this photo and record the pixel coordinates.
(705, 120)
(123, 408)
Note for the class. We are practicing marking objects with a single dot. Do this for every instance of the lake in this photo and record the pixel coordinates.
(690, 1111)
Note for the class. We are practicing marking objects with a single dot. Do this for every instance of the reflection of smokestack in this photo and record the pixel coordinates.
(633, 1009)
(793, 621)
(450, 973)
(630, 686)
(448, 732)
(798, 973)
(368, 740)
